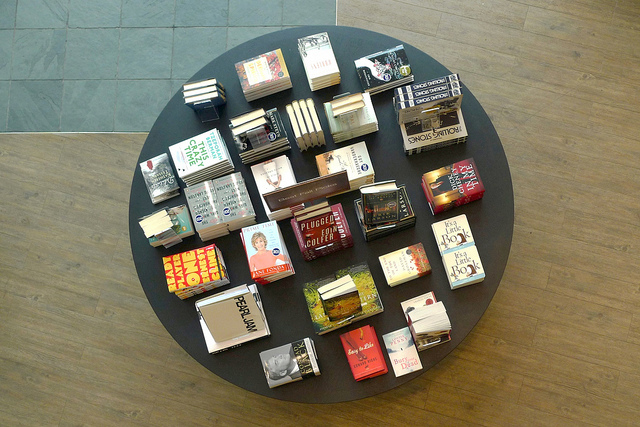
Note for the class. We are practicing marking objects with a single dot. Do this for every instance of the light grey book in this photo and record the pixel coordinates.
(233, 198)
(203, 204)
(159, 178)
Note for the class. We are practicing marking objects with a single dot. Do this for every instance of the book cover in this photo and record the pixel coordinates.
(192, 268)
(452, 233)
(364, 355)
(182, 225)
(367, 290)
(271, 175)
(430, 325)
(400, 95)
(317, 56)
(441, 130)
(291, 362)
(463, 267)
(159, 178)
(199, 152)
(383, 67)
(203, 205)
(380, 202)
(340, 299)
(452, 185)
(266, 252)
(262, 70)
(354, 159)
(405, 264)
(402, 352)
(438, 81)
(233, 198)
(416, 302)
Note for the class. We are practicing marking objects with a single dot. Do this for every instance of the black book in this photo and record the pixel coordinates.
(384, 70)
(380, 202)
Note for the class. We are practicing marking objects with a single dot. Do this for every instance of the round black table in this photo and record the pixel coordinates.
(490, 219)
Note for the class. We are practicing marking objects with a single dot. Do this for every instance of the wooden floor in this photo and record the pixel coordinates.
(559, 344)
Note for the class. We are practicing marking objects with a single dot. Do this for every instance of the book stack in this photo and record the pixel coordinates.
(384, 70)
(452, 185)
(458, 250)
(266, 252)
(321, 230)
(354, 159)
(272, 175)
(351, 116)
(291, 362)
(196, 271)
(205, 97)
(159, 178)
(305, 123)
(233, 317)
(433, 326)
(202, 157)
(168, 226)
(364, 354)
(259, 134)
(332, 303)
(263, 75)
(406, 218)
(380, 203)
(402, 352)
(219, 206)
(403, 265)
(429, 114)
(319, 61)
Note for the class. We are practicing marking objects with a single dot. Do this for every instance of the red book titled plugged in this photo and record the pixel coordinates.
(364, 354)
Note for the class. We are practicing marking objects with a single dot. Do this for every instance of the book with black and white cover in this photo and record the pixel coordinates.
(401, 96)
(205, 211)
(259, 134)
(159, 178)
(242, 309)
(271, 175)
(445, 129)
(291, 362)
(351, 116)
(354, 159)
(452, 234)
(384, 70)
(204, 156)
(448, 79)
(427, 106)
(319, 61)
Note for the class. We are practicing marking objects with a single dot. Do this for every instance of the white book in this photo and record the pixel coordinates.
(463, 267)
(452, 233)
(273, 174)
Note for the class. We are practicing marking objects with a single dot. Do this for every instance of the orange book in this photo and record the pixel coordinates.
(193, 268)
(364, 354)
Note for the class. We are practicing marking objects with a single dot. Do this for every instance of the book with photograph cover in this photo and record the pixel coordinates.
(271, 175)
(403, 265)
(380, 202)
(364, 353)
(370, 301)
(452, 233)
(463, 267)
(438, 131)
(452, 185)
(340, 299)
(402, 352)
(291, 362)
(266, 252)
(430, 325)
(426, 106)
(159, 178)
(384, 70)
(438, 81)
(354, 159)
(400, 95)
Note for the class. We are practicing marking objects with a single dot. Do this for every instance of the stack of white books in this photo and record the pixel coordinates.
(351, 116)
(201, 157)
(271, 175)
(306, 124)
(319, 61)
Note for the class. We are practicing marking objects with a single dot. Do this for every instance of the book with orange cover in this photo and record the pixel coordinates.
(364, 354)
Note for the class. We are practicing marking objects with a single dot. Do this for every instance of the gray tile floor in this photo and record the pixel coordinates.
(112, 65)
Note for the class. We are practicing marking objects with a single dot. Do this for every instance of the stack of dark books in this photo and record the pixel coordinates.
(205, 97)
(305, 124)
(259, 134)
(384, 70)
(321, 230)
(429, 114)
(351, 116)
(319, 61)
(384, 209)
(159, 178)
(201, 157)
(266, 252)
(219, 206)
(263, 75)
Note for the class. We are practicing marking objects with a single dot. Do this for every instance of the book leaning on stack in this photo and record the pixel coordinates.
(220, 205)
(351, 116)
(319, 61)
(305, 124)
(406, 217)
(266, 252)
(354, 159)
(428, 320)
(263, 75)
(159, 178)
(205, 97)
(321, 230)
(167, 226)
(429, 114)
(259, 134)
(196, 271)
(232, 317)
(201, 157)
(384, 70)
(272, 175)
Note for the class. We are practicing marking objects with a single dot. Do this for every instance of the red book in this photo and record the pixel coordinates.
(365, 357)
(322, 234)
(452, 186)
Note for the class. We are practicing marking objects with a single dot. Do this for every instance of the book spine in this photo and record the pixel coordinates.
(428, 83)
(406, 96)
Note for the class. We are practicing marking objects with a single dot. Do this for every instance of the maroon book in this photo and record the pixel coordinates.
(323, 234)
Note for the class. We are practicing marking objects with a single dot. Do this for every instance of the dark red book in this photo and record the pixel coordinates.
(452, 186)
(364, 354)
(322, 234)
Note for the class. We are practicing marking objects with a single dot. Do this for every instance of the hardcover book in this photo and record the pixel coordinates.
(380, 202)
(364, 354)
(319, 61)
(463, 267)
(406, 219)
(452, 233)
(159, 178)
(430, 325)
(266, 252)
(323, 231)
(426, 106)
(351, 116)
(194, 272)
(354, 159)
(452, 185)
(307, 191)
(340, 299)
(405, 264)
(438, 81)
(384, 70)
(367, 291)
(272, 175)
(291, 362)
(419, 303)
(439, 131)
(259, 134)
(402, 352)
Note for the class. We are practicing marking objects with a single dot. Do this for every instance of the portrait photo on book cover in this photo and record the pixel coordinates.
(260, 256)
(280, 365)
(436, 121)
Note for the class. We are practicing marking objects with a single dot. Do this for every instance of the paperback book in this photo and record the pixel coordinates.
(384, 70)
(452, 234)
(404, 265)
(364, 354)
(402, 352)
(289, 363)
(354, 159)
(263, 75)
(406, 219)
(380, 203)
(266, 252)
(159, 178)
(370, 302)
(233, 317)
(452, 185)
(271, 175)
(259, 134)
(351, 116)
(463, 267)
(319, 61)
(321, 230)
